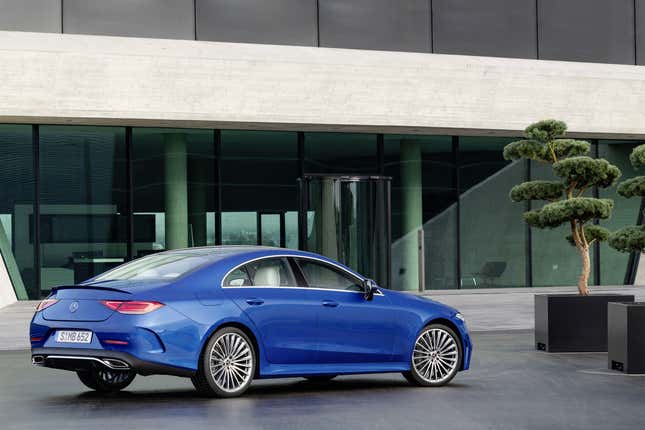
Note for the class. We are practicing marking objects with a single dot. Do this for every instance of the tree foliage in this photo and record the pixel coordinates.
(580, 209)
(566, 203)
(631, 239)
(628, 239)
(633, 187)
(537, 190)
(593, 233)
(637, 156)
(584, 172)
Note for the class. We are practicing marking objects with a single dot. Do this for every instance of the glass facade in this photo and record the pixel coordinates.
(78, 200)
(83, 203)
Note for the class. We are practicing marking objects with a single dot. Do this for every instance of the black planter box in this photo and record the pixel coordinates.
(626, 341)
(573, 323)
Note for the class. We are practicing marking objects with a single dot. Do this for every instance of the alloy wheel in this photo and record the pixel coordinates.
(231, 362)
(436, 355)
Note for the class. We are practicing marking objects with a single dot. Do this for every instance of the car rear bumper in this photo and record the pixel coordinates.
(76, 359)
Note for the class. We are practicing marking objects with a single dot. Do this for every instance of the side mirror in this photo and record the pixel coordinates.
(370, 287)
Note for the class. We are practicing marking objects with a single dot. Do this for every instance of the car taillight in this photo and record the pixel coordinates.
(133, 307)
(45, 304)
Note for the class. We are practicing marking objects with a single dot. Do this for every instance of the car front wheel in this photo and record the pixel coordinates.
(436, 357)
(227, 364)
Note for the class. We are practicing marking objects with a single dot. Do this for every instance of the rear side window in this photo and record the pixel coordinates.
(319, 275)
(273, 272)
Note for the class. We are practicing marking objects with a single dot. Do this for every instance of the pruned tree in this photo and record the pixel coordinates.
(632, 238)
(566, 202)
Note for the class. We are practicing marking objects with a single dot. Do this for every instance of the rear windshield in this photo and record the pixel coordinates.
(155, 267)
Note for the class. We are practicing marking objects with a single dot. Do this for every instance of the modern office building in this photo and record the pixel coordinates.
(367, 130)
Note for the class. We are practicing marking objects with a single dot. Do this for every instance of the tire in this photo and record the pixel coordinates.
(320, 378)
(106, 380)
(436, 356)
(227, 364)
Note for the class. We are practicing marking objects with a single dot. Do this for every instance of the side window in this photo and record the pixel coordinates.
(319, 275)
(273, 272)
(238, 278)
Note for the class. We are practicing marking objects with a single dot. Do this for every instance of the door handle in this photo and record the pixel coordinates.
(254, 301)
(329, 303)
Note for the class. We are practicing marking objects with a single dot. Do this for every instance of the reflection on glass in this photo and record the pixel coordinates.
(174, 189)
(423, 211)
(350, 153)
(239, 228)
(613, 264)
(492, 232)
(82, 202)
(16, 208)
(259, 178)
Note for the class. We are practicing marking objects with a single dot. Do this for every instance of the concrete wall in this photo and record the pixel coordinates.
(61, 78)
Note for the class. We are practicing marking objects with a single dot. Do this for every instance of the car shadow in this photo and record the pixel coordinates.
(261, 389)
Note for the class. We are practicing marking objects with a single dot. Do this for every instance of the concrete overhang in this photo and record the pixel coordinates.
(100, 80)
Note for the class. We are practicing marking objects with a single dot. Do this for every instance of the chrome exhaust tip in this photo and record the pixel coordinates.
(38, 360)
(114, 363)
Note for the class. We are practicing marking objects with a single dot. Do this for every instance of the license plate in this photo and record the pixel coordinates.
(73, 336)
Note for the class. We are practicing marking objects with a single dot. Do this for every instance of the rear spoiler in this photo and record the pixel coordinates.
(87, 287)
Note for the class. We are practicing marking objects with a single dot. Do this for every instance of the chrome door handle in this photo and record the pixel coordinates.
(254, 301)
(329, 303)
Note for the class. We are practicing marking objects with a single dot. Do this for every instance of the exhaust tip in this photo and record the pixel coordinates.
(38, 360)
(114, 363)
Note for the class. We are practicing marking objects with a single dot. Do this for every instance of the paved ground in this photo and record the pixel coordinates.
(510, 386)
(485, 310)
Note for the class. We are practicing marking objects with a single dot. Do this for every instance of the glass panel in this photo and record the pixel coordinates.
(16, 208)
(349, 153)
(613, 264)
(555, 261)
(156, 267)
(423, 211)
(275, 272)
(83, 202)
(238, 278)
(322, 276)
(174, 189)
(259, 174)
(492, 231)
(270, 226)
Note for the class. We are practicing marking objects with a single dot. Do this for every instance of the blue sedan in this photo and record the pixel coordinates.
(224, 316)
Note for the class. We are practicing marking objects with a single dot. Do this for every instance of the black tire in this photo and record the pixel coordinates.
(204, 381)
(320, 378)
(106, 380)
(416, 377)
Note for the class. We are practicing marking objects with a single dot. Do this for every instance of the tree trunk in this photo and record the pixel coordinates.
(586, 269)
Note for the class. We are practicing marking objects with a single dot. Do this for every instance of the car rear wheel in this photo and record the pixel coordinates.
(227, 364)
(436, 357)
(106, 380)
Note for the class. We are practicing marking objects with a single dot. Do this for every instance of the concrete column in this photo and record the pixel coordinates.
(411, 211)
(176, 191)
(198, 173)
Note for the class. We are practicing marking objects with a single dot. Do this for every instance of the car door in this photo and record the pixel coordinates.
(350, 329)
(283, 314)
